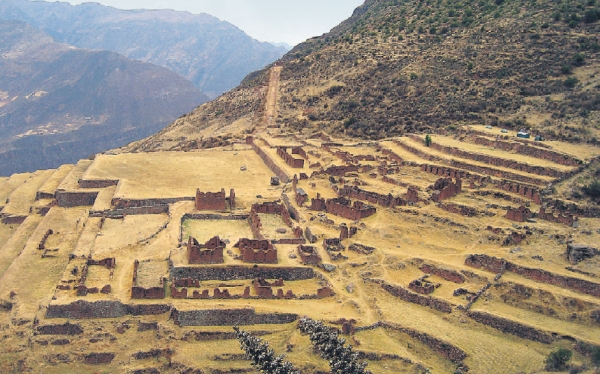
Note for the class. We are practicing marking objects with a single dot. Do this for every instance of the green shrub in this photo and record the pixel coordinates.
(566, 69)
(593, 190)
(570, 82)
(558, 360)
(427, 140)
(578, 59)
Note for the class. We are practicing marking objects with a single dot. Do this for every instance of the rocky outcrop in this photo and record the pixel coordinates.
(578, 252)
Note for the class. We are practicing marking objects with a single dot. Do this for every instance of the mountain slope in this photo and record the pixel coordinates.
(59, 103)
(406, 66)
(213, 54)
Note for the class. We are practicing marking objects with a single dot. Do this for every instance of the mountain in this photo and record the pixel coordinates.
(59, 103)
(284, 45)
(409, 66)
(213, 54)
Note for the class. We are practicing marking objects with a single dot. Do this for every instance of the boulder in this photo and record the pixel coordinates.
(578, 252)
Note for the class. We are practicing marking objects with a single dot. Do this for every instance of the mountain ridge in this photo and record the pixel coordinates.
(60, 103)
(215, 55)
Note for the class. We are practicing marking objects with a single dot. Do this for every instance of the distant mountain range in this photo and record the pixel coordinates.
(59, 103)
(213, 54)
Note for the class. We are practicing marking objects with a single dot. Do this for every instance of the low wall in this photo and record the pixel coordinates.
(98, 183)
(242, 272)
(120, 203)
(72, 199)
(449, 275)
(64, 329)
(497, 265)
(102, 309)
(525, 149)
(411, 297)
(13, 220)
(157, 209)
(512, 327)
(497, 161)
(445, 349)
(228, 317)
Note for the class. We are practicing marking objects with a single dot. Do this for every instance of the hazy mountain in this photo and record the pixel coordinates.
(412, 66)
(284, 45)
(59, 103)
(213, 54)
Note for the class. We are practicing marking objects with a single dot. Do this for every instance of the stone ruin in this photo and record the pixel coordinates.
(343, 207)
(309, 255)
(564, 218)
(210, 252)
(81, 289)
(334, 247)
(137, 292)
(444, 189)
(264, 289)
(257, 251)
(297, 163)
(520, 214)
(346, 233)
(214, 200)
(422, 285)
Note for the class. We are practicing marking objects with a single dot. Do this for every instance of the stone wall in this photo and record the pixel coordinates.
(497, 265)
(146, 293)
(242, 272)
(210, 252)
(372, 197)
(290, 160)
(525, 149)
(211, 200)
(463, 210)
(498, 173)
(500, 162)
(446, 349)
(270, 163)
(117, 213)
(228, 317)
(520, 214)
(98, 183)
(81, 309)
(512, 327)
(120, 203)
(445, 189)
(98, 358)
(565, 219)
(299, 151)
(446, 274)
(72, 199)
(257, 251)
(309, 255)
(338, 171)
(341, 207)
(64, 329)
(411, 297)
(274, 208)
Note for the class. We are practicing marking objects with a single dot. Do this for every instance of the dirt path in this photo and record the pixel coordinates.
(271, 106)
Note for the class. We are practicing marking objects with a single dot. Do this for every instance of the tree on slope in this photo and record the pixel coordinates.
(331, 347)
(263, 357)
